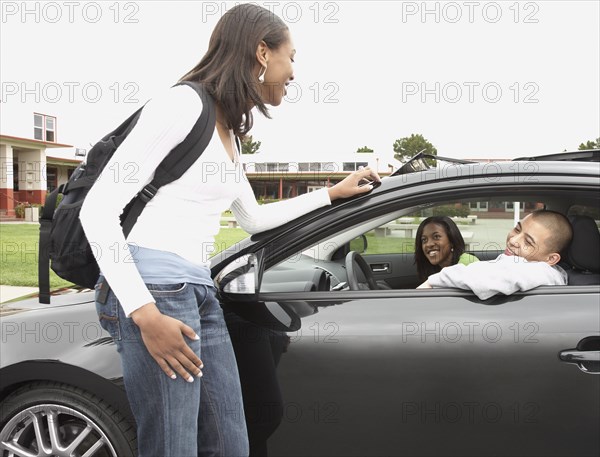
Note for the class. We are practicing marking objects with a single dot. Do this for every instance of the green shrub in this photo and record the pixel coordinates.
(461, 210)
(20, 211)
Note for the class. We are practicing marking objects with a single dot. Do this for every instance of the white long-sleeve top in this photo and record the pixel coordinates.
(505, 275)
(184, 216)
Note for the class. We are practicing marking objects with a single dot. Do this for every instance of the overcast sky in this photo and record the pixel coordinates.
(478, 79)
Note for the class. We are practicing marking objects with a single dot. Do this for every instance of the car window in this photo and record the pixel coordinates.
(483, 224)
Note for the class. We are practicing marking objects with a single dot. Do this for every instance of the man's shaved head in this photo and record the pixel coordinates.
(559, 227)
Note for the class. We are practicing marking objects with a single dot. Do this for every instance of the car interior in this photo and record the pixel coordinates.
(582, 262)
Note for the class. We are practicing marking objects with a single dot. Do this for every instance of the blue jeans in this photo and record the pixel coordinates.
(176, 418)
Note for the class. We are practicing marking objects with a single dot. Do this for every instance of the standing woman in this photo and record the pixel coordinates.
(179, 368)
(439, 244)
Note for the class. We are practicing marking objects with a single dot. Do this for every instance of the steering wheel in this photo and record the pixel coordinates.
(354, 262)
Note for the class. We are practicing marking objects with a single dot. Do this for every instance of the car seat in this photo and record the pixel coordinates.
(583, 254)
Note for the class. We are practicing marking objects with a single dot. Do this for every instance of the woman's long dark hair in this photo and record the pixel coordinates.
(227, 69)
(424, 267)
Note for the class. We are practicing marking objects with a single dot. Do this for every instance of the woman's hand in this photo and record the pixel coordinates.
(351, 184)
(163, 337)
(425, 285)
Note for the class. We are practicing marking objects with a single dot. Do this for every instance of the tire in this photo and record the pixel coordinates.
(80, 421)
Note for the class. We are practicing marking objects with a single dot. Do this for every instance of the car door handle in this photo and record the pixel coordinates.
(580, 356)
(380, 267)
(586, 355)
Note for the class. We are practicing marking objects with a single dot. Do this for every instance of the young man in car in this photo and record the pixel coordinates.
(530, 260)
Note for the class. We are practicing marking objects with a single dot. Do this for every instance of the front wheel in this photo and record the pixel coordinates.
(58, 420)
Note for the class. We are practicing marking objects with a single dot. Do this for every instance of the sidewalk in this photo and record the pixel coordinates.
(11, 292)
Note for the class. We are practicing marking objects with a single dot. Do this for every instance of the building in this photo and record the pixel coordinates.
(26, 172)
(274, 179)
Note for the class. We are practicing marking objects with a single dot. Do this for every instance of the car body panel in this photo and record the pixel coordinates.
(69, 333)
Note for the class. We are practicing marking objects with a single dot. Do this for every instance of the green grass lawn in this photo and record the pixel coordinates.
(19, 253)
(388, 245)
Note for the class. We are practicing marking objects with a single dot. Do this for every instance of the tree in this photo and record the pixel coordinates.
(249, 146)
(407, 147)
(364, 149)
(590, 145)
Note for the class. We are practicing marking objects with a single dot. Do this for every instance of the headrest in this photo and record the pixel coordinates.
(584, 251)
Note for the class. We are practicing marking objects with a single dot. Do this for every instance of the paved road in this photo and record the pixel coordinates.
(11, 292)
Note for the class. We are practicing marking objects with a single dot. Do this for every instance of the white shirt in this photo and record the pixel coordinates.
(504, 275)
(184, 216)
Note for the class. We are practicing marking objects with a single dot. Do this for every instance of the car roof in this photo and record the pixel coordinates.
(588, 155)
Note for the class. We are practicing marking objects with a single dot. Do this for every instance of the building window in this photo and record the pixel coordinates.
(38, 127)
(272, 166)
(309, 166)
(353, 166)
(44, 128)
(330, 167)
(50, 130)
(478, 206)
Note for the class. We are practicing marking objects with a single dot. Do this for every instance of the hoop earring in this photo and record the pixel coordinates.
(261, 74)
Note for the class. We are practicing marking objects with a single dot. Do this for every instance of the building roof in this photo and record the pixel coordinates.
(317, 155)
(31, 142)
(61, 160)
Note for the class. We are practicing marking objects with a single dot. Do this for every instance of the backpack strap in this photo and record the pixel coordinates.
(44, 246)
(173, 166)
(179, 160)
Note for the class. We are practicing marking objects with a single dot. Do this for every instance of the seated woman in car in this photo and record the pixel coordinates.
(439, 244)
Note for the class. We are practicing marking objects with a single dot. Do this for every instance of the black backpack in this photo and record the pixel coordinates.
(62, 239)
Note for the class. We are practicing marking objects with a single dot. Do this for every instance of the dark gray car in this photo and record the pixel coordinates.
(374, 367)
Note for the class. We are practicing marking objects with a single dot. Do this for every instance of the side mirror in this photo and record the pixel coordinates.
(239, 283)
(241, 277)
(359, 244)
